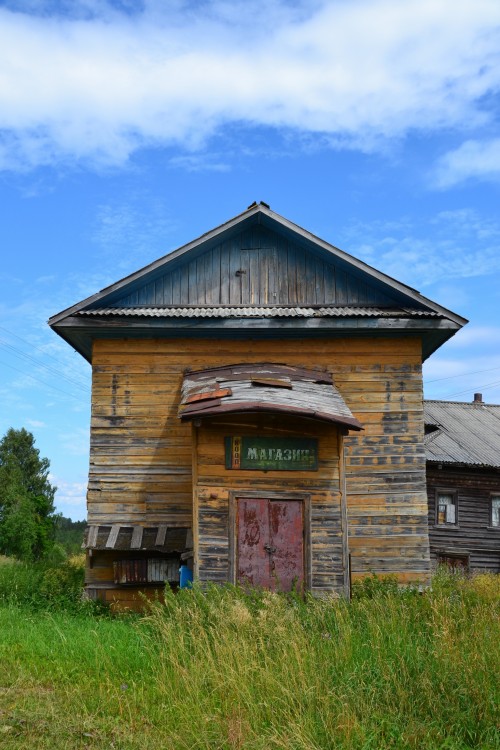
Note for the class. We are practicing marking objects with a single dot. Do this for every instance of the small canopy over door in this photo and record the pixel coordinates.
(264, 388)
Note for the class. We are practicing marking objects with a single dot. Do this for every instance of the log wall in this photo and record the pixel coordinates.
(141, 454)
(216, 488)
(473, 535)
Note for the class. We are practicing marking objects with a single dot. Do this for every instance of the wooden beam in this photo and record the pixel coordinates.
(136, 542)
(113, 536)
(92, 536)
(161, 535)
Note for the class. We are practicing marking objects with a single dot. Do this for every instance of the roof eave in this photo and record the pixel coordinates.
(80, 332)
(263, 215)
(253, 407)
(462, 464)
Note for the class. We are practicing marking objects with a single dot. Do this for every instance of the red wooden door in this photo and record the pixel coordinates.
(270, 543)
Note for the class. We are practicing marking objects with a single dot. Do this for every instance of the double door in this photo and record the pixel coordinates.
(270, 543)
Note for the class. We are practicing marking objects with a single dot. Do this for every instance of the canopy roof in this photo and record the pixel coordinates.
(264, 388)
(128, 537)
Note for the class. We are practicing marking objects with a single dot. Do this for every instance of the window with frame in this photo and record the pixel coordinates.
(446, 508)
(495, 511)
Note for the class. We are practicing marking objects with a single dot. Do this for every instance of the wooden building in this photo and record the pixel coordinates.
(462, 444)
(257, 407)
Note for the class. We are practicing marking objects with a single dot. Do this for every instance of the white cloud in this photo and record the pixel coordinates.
(125, 224)
(200, 163)
(473, 159)
(76, 442)
(474, 335)
(35, 423)
(473, 367)
(70, 499)
(98, 84)
(453, 245)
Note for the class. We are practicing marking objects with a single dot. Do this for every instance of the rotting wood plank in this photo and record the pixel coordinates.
(113, 536)
(136, 541)
(161, 535)
(92, 536)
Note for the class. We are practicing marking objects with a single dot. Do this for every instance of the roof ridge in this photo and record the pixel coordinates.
(474, 404)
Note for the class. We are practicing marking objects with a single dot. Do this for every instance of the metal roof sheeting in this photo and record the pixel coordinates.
(264, 387)
(464, 433)
(257, 312)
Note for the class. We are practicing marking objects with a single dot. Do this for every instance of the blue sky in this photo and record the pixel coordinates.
(129, 128)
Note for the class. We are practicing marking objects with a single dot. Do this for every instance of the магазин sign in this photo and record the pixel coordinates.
(269, 453)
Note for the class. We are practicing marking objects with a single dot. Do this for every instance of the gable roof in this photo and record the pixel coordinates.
(257, 265)
(462, 433)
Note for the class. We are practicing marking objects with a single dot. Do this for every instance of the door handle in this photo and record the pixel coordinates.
(269, 548)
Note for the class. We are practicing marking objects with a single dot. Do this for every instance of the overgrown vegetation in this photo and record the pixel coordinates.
(55, 583)
(223, 669)
(27, 517)
(69, 534)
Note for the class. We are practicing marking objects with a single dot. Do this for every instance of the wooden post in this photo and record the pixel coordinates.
(344, 521)
(196, 552)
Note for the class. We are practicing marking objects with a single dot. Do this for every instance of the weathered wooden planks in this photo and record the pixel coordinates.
(473, 535)
(141, 455)
(259, 267)
(216, 488)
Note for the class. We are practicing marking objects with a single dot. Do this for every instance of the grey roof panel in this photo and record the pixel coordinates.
(467, 433)
(256, 312)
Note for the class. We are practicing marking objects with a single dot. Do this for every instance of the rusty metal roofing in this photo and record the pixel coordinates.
(232, 311)
(462, 433)
(264, 388)
(136, 538)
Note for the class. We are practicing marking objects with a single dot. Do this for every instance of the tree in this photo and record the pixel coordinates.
(27, 518)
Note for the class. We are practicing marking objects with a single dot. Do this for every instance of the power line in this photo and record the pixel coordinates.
(39, 349)
(462, 375)
(495, 384)
(52, 370)
(40, 381)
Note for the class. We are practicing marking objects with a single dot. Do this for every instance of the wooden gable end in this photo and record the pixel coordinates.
(257, 266)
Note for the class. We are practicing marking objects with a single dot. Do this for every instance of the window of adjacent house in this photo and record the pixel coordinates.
(446, 508)
(495, 511)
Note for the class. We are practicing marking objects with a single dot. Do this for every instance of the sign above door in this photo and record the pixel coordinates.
(271, 454)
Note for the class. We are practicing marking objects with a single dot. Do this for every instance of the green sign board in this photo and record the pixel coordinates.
(271, 454)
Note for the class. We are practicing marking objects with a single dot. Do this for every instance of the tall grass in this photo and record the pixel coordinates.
(224, 670)
(398, 670)
(51, 584)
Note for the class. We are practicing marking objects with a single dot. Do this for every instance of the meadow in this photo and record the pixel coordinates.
(222, 669)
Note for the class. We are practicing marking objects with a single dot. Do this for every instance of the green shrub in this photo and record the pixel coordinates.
(45, 585)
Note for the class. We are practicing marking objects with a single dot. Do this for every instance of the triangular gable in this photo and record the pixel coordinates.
(258, 258)
(258, 267)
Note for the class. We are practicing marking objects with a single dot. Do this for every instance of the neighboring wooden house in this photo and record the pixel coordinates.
(462, 445)
(256, 406)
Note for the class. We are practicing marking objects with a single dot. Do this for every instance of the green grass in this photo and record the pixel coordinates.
(224, 670)
(51, 584)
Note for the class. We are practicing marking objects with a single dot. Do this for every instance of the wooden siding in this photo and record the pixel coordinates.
(141, 454)
(100, 583)
(258, 267)
(216, 487)
(472, 534)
